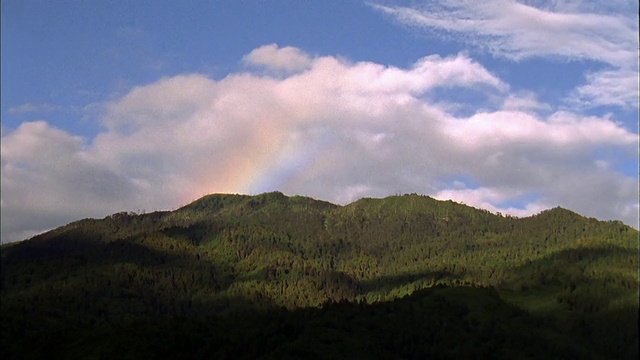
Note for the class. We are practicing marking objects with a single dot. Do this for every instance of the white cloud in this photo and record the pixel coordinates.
(272, 56)
(31, 108)
(490, 199)
(48, 178)
(611, 87)
(526, 101)
(518, 31)
(562, 130)
(569, 30)
(337, 131)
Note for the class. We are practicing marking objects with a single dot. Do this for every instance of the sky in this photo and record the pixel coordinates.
(510, 106)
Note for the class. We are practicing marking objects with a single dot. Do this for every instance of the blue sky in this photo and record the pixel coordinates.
(130, 105)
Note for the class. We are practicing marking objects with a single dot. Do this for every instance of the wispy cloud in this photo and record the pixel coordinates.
(518, 31)
(617, 87)
(515, 30)
(36, 108)
(335, 130)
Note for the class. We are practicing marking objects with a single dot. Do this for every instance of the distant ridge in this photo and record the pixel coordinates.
(238, 204)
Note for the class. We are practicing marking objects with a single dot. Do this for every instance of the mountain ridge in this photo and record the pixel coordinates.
(223, 255)
(212, 203)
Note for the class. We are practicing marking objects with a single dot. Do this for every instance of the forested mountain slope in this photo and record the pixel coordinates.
(324, 280)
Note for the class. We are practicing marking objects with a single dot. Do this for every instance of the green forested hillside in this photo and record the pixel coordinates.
(272, 276)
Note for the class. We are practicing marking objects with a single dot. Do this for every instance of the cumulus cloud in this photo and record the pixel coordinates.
(272, 56)
(337, 131)
(569, 30)
(562, 130)
(525, 101)
(492, 199)
(48, 178)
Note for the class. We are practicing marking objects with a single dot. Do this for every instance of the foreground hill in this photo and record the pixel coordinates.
(405, 276)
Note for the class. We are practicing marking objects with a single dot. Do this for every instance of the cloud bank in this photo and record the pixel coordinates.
(324, 127)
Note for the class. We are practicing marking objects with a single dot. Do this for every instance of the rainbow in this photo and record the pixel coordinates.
(270, 160)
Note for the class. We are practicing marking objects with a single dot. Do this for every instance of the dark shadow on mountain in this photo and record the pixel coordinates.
(569, 266)
(431, 323)
(68, 254)
(565, 288)
(386, 283)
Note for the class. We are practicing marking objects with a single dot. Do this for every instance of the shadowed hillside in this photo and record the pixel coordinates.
(400, 277)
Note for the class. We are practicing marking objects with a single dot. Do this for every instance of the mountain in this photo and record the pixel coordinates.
(271, 276)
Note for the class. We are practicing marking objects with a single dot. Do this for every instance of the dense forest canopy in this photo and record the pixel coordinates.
(271, 276)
